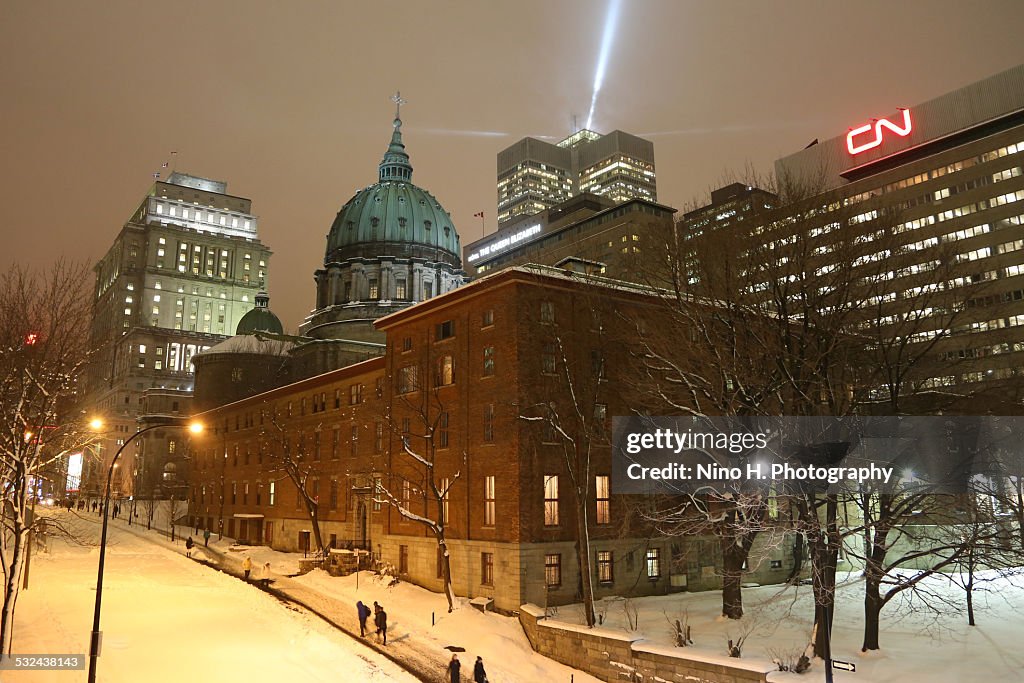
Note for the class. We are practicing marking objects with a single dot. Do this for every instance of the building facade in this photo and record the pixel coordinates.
(924, 208)
(588, 231)
(462, 401)
(534, 175)
(184, 269)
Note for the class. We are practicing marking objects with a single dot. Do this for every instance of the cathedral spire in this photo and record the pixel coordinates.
(395, 164)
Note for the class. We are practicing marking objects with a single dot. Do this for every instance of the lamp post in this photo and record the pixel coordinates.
(94, 640)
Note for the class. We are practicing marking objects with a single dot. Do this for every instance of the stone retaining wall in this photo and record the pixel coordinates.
(614, 656)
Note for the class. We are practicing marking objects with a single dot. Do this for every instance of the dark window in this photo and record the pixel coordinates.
(444, 330)
(488, 361)
(403, 559)
(548, 359)
(547, 312)
(408, 379)
(487, 569)
(442, 427)
(489, 423)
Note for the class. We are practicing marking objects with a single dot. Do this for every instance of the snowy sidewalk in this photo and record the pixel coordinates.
(168, 619)
(413, 641)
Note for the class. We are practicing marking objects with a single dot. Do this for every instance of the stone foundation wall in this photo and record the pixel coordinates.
(615, 656)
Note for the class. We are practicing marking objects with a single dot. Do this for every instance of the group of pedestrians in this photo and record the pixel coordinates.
(380, 620)
(455, 670)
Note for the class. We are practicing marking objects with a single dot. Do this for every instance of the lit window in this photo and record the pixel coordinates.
(445, 374)
(489, 501)
(653, 563)
(602, 497)
(553, 570)
(550, 500)
(605, 566)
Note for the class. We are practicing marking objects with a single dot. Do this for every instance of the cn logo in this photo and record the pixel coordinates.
(868, 141)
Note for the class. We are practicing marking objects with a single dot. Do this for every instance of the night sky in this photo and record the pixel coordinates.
(289, 102)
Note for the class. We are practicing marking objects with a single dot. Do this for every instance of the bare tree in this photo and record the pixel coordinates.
(289, 454)
(569, 407)
(418, 479)
(42, 357)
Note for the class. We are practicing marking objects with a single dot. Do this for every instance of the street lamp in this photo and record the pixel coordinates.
(94, 641)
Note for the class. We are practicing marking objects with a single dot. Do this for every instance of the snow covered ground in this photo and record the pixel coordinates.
(917, 644)
(168, 618)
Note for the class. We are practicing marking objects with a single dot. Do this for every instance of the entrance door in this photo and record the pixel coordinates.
(362, 537)
(268, 534)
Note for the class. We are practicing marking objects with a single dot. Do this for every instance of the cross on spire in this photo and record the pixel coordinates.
(397, 99)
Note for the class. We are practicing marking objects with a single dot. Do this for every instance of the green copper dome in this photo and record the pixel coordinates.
(260, 319)
(394, 217)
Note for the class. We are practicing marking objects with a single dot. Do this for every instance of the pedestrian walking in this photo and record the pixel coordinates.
(188, 547)
(206, 538)
(364, 613)
(266, 575)
(454, 667)
(247, 567)
(479, 675)
(381, 621)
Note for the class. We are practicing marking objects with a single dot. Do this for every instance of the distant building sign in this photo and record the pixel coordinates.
(502, 244)
(869, 135)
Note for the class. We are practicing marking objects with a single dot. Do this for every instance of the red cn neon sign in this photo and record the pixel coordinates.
(876, 125)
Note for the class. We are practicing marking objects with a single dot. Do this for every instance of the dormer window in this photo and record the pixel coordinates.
(427, 225)
(374, 221)
(401, 221)
(447, 231)
(350, 224)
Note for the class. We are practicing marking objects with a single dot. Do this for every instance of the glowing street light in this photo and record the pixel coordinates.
(94, 641)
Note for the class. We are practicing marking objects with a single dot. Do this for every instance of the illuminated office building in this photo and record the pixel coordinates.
(179, 276)
(534, 175)
(921, 211)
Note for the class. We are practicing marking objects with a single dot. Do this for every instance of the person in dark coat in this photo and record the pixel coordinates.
(188, 547)
(479, 675)
(454, 668)
(364, 613)
(381, 621)
(206, 538)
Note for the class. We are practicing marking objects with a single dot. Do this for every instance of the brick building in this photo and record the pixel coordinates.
(480, 384)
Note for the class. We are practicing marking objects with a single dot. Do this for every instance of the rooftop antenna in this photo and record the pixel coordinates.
(575, 126)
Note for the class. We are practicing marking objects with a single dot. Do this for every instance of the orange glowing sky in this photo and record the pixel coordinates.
(288, 102)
